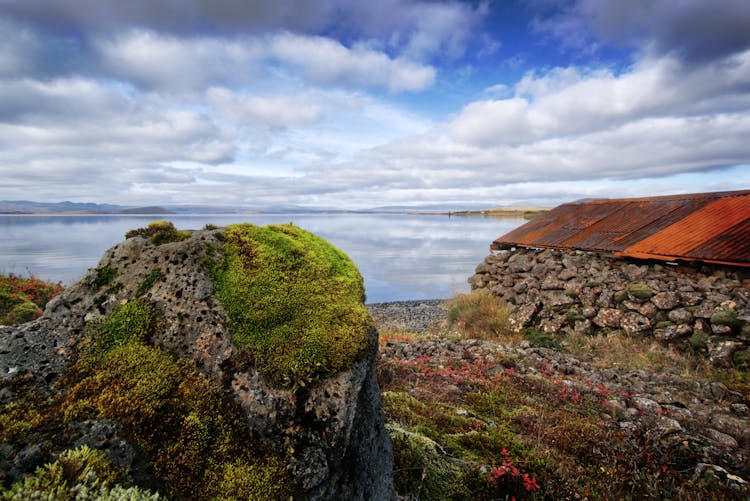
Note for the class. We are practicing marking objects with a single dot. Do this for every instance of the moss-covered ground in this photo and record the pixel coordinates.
(294, 301)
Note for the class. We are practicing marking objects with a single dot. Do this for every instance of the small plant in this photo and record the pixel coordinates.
(479, 314)
(148, 281)
(159, 232)
(104, 276)
(209, 226)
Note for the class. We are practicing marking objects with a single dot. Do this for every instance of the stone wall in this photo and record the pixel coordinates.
(706, 308)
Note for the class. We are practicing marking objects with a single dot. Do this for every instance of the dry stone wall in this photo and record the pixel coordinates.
(704, 308)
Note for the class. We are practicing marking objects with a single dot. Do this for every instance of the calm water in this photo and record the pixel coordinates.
(401, 257)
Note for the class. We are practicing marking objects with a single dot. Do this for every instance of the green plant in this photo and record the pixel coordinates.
(22, 299)
(294, 301)
(104, 276)
(479, 314)
(159, 232)
(195, 438)
(148, 281)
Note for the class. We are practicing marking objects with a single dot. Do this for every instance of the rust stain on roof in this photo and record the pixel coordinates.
(710, 227)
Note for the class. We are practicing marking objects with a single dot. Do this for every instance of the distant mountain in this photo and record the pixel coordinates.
(28, 207)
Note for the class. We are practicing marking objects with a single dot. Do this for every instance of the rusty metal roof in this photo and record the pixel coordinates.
(709, 227)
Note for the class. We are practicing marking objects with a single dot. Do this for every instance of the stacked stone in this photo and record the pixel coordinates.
(586, 292)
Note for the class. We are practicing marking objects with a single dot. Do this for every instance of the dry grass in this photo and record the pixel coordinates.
(618, 350)
(480, 315)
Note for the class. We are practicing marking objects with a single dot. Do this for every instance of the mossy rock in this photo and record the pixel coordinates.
(698, 340)
(593, 283)
(574, 315)
(195, 439)
(664, 324)
(640, 291)
(159, 232)
(729, 318)
(295, 302)
(620, 296)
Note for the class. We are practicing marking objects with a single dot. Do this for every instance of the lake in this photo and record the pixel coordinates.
(401, 256)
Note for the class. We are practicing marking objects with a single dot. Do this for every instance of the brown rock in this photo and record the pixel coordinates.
(608, 317)
(666, 300)
(634, 322)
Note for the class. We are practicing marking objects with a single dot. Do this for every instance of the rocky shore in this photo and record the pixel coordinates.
(699, 420)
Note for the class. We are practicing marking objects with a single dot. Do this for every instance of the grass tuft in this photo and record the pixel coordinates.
(479, 315)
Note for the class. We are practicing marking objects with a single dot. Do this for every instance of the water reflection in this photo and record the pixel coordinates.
(400, 256)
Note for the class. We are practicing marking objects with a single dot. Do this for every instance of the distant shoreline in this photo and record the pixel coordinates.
(524, 212)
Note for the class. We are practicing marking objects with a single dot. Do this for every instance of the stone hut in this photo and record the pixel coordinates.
(673, 267)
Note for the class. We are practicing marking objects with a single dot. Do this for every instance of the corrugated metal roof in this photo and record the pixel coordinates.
(710, 227)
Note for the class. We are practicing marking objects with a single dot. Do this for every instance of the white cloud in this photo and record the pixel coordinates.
(273, 110)
(326, 61)
(659, 118)
(166, 62)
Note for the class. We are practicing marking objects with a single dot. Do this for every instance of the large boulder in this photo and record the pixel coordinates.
(232, 362)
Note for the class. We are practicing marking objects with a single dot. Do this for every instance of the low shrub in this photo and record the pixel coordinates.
(23, 299)
(479, 315)
(159, 232)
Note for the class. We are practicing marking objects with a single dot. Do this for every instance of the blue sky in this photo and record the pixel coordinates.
(335, 103)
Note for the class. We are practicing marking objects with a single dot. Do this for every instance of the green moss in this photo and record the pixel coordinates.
(574, 315)
(294, 301)
(421, 468)
(727, 317)
(104, 276)
(571, 293)
(17, 308)
(640, 291)
(698, 340)
(17, 419)
(133, 320)
(542, 339)
(620, 296)
(148, 281)
(82, 467)
(593, 283)
(663, 324)
(159, 232)
(178, 417)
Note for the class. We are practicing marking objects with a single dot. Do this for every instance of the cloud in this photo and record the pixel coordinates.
(418, 28)
(166, 62)
(86, 122)
(659, 118)
(272, 110)
(695, 31)
(327, 61)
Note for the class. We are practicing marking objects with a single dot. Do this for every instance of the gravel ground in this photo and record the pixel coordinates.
(409, 316)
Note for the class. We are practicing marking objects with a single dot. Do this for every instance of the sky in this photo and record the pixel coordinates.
(361, 104)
